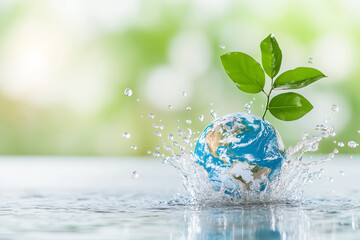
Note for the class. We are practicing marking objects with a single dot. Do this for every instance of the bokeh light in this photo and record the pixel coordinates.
(64, 66)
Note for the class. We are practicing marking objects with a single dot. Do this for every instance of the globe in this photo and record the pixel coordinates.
(240, 151)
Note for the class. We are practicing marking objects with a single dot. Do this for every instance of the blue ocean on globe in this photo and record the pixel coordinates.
(240, 151)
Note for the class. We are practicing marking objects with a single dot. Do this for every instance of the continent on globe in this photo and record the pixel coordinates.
(240, 151)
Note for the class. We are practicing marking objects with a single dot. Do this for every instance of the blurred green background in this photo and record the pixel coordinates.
(64, 66)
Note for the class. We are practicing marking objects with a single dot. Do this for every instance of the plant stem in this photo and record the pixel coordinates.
(268, 98)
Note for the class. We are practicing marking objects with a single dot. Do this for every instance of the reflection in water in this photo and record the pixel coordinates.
(246, 222)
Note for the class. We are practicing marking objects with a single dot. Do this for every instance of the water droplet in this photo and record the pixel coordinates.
(171, 137)
(222, 46)
(133, 147)
(305, 135)
(332, 131)
(213, 113)
(135, 175)
(331, 155)
(310, 60)
(188, 121)
(138, 100)
(157, 133)
(352, 144)
(248, 107)
(180, 132)
(148, 151)
(272, 35)
(336, 150)
(151, 115)
(185, 140)
(155, 125)
(335, 108)
(358, 131)
(128, 92)
(211, 104)
(161, 127)
(201, 117)
(166, 160)
(189, 132)
(167, 148)
(184, 93)
(157, 147)
(351, 156)
(331, 180)
(156, 154)
(342, 173)
(321, 127)
(188, 108)
(126, 135)
(170, 107)
(341, 144)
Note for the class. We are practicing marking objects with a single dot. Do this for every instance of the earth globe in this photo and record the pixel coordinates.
(240, 151)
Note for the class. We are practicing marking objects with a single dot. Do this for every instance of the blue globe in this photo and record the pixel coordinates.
(240, 151)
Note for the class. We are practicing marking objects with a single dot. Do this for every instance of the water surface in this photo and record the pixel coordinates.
(97, 198)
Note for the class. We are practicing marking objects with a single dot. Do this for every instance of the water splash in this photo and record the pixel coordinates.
(295, 173)
(294, 176)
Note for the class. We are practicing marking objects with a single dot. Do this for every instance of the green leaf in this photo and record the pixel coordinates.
(244, 71)
(297, 78)
(271, 56)
(289, 106)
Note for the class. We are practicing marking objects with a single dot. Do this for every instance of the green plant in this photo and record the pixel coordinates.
(249, 77)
